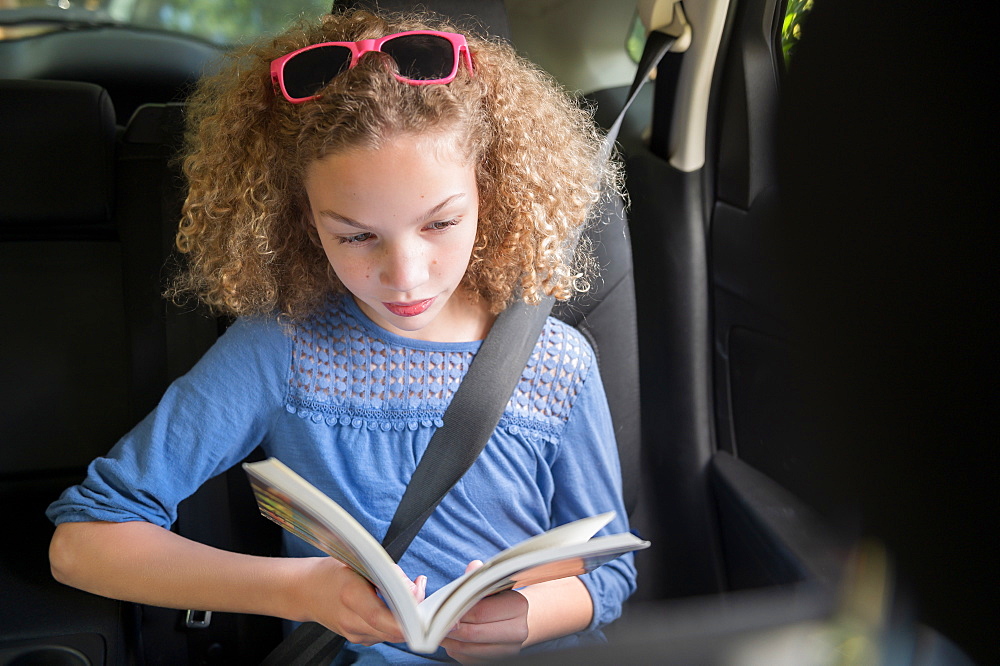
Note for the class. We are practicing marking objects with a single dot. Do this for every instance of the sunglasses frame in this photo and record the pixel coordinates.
(458, 42)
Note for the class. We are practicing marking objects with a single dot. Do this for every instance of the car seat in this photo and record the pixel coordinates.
(87, 212)
(65, 349)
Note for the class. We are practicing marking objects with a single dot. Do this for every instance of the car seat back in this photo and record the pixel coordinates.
(64, 350)
(88, 211)
(64, 334)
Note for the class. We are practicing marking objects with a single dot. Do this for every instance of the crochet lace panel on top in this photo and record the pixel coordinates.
(342, 374)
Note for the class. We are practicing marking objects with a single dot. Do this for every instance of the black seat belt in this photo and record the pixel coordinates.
(469, 420)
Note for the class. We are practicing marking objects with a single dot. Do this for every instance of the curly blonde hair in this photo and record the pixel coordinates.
(249, 246)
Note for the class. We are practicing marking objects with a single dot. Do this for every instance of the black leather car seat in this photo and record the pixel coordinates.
(64, 351)
(88, 211)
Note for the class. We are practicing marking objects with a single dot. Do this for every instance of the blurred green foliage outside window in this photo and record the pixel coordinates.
(224, 22)
(791, 28)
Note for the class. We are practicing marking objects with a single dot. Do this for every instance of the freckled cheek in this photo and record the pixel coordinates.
(351, 272)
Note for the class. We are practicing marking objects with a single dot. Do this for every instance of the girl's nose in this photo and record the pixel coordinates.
(403, 268)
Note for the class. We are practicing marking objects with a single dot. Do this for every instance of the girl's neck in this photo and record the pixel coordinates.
(480, 319)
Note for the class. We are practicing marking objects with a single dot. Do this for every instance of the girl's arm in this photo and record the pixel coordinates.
(557, 608)
(502, 624)
(144, 563)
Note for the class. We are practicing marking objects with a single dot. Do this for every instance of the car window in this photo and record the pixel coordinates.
(796, 12)
(221, 23)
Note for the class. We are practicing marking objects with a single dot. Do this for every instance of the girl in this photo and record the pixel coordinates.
(365, 209)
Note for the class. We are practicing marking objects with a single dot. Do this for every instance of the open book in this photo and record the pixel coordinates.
(567, 550)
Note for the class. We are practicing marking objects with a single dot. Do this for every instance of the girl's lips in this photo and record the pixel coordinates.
(408, 309)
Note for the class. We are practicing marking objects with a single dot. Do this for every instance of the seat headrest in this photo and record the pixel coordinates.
(57, 160)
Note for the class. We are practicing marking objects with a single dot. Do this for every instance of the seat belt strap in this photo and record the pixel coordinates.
(469, 420)
(657, 45)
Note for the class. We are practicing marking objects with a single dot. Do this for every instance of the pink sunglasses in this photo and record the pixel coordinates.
(422, 57)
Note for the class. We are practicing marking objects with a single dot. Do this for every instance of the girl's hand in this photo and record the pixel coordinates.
(495, 627)
(345, 602)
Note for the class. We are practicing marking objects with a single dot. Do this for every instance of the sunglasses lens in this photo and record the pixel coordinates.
(309, 72)
(421, 57)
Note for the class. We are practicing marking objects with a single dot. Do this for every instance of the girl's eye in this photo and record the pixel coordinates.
(357, 238)
(442, 225)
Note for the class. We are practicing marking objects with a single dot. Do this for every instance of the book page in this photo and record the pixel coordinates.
(578, 531)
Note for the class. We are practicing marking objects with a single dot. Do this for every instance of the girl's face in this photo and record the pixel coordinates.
(398, 225)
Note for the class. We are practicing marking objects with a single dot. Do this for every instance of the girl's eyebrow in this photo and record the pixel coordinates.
(343, 219)
(437, 209)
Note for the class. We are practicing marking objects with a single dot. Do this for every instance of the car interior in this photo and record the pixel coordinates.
(756, 550)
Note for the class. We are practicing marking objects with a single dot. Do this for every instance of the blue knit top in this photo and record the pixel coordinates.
(351, 407)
